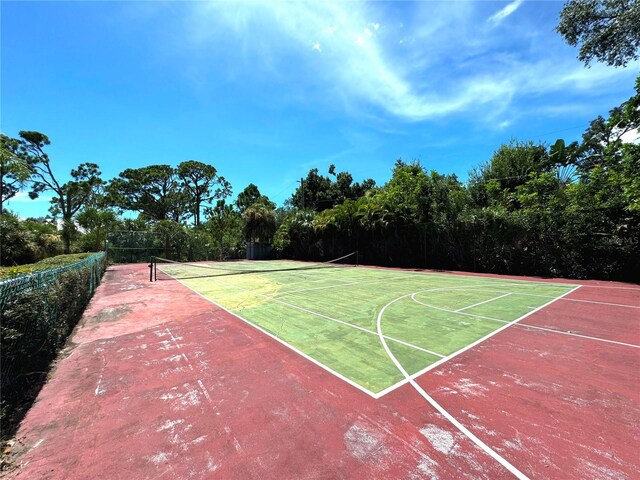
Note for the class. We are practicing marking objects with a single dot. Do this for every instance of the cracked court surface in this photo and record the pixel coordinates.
(160, 383)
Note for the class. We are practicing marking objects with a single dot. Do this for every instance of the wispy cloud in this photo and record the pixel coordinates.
(498, 17)
(441, 65)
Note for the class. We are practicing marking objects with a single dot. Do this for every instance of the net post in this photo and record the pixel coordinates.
(357, 257)
(151, 269)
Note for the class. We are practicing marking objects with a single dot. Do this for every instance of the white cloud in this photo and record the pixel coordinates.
(23, 197)
(498, 17)
(440, 63)
(632, 136)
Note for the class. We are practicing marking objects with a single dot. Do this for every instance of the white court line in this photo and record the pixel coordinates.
(618, 288)
(339, 375)
(505, 463)
(581, 301)
(481, 303)
(570, 299)
(491, 280)
(282, 342)
(291, 292)
(527, 325)
(413, 276)
(599, 303)
(386, 279)
(327, 317)
(252, 270)
(321, 315)
(495, 280)
(462, 350)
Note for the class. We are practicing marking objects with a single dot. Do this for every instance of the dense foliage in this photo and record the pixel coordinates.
(27, 241)
(569, 210)
(14, 171)
(319, 192)
(607, 30)
(35, 325)
(46, 264)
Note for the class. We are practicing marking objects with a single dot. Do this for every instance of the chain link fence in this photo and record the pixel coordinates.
(38, 311)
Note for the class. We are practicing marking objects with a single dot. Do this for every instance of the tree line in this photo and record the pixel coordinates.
(561, 210)
(166, 199)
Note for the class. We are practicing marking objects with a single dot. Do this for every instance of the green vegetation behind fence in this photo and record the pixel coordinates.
(51, 263)
(38, 312)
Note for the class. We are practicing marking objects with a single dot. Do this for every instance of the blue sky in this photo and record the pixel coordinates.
(264, 91)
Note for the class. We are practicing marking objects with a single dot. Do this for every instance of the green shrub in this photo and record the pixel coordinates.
(26, 241)
(46, 264)
(35, 325)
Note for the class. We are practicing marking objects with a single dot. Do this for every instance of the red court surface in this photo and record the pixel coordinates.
(157, 382)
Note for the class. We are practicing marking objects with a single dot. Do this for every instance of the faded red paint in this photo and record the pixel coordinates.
(558, 409)
(563, 406)
(126, 403)
(160, 383)
(602, 321)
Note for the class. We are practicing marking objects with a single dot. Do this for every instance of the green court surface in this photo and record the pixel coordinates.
(331, 313)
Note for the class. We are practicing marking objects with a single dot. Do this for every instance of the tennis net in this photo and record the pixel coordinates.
(164, 269)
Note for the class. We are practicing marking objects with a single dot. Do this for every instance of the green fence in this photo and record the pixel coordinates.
(39, 281)
(38, 312)
(125, 246)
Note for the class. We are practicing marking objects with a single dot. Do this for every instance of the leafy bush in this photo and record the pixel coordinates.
(26, 241)
(46, 264)
(35, 325)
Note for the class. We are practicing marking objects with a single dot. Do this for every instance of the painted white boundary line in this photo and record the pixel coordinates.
(592, 301)
(458, 352)
(365, 282)
(527, 325)
(495, 283)
(327, 317)
(505, 463)
(300, 272)
(299, 352)
(412, 276)
(498, 290)
(495, 279)
(357, 327)
(481, 303)
(618, 288)
(351, 382)
(581, 301)
(486, 337)
(489, 280)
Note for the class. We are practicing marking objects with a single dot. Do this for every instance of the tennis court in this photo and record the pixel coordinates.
(159, 381)
(374, 328)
